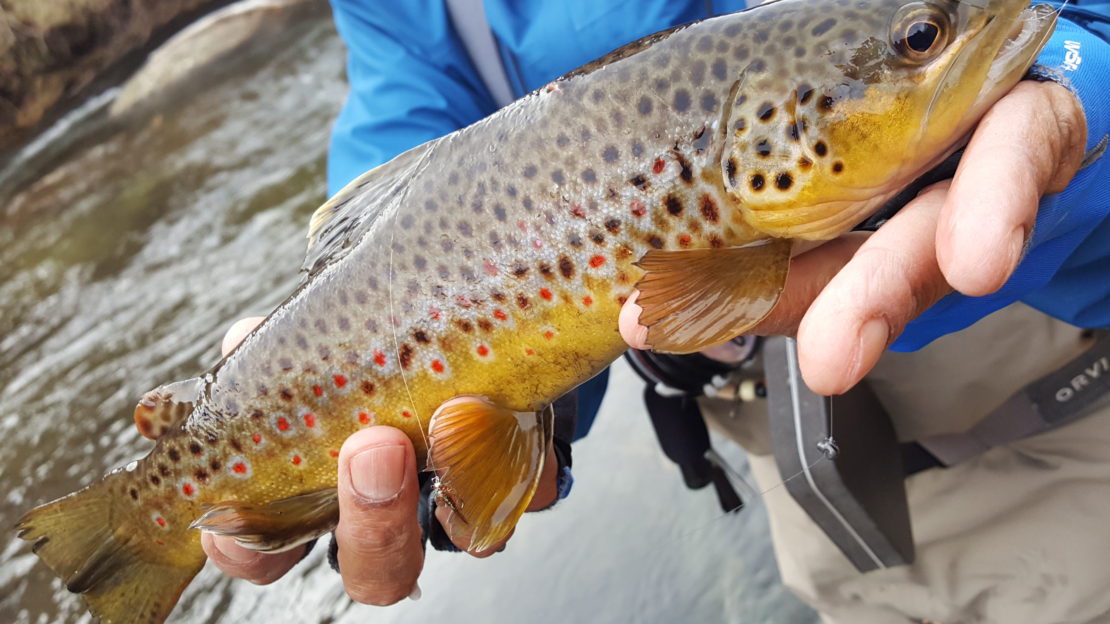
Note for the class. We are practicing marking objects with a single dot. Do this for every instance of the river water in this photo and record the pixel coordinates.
(126, 258)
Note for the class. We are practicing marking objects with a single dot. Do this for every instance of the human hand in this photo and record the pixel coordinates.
(380, 552)
(848, 299)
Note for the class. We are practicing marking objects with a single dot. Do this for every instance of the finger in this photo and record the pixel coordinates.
(380, 551)
(547, 491)
(891, 279)
(1030, 143)
(256, 567)
(238, 331)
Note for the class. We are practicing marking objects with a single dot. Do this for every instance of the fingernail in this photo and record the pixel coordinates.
(378, 473)
(1016, 248)
(874, 333)
(233, 552)
(415, 594)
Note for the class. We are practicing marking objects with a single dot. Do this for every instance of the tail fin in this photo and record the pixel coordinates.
(86, 539)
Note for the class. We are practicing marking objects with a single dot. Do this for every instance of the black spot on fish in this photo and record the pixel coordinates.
(655, 242)
(442, 271)
(494, 239)
(804, 163)
(215, 463)
(762, 35)
(155, 480)
(704, 44)
(566, 267)
(174, 455)
(420, 336)
(741, 53)
(823, 27)
(732, 29)
(163, 470)
(300, 341)
(719, 69)
(589, 177)
(644, 106)
(611, 154)
(709, 102)
(343, 323)
(820, 148)
(673, 204)
(406, 222)
(697, 73)
(528, 204)
(574, 239)
(404, 356)
(640, 182)
(785, 25)
(530, 171)
(757, 182)
(195, 448)
(613, 225)
(465, 229)
(783, 181)
(367, 388)
(766, 112)
(730, 171)
(467, 273)
(545, 270)
(709, 209)
(826, 103)
(637, 149)
(662, 85)
(684, 172)
(740, 125)
(597, 237)
(498, 296)
(519, 269)
(257, 415)
(285, 394)
(557, 177)
(522, 302)
(799, 52)
(838, 167)
(757, 65)
(201, 475)
(682, 100)
(792, 131)
(464, 325)
(763, 147)
(485, 325)
(134, 494)
(562, 140)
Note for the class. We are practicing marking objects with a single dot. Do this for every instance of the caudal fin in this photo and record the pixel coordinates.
(88, 539)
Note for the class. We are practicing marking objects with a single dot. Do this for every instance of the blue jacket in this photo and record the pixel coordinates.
(412, 81)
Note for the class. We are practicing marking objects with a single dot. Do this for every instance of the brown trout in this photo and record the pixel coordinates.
(493, 262)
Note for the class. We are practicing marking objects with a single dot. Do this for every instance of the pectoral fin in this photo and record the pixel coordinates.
(698, 298)
(166, 407)
(276, 526)
(488, 459)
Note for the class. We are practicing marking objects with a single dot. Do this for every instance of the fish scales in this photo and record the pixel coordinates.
(494, 261)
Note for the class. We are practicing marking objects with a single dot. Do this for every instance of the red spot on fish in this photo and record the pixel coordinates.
(310, 420)
(482, 350)
(621, 300)
(659, 165)
(638, 209)
(549, 335)
(159, 542)
(597, 261)
(489, 267)
(437, 366)
(364, 418)
(522, 226)
(188, 489)
(545, 293)
(587, 300)
(257, 438)
(578, 211)
(684, 240)
(500, 315)
(297, 460)
(434, 313)
(333, 453)
(239, 468)
(283, 425)
(529, 352)
(317, 390)
(406, 414)
(537, 243)
(340, 381)
(161, 521)
(379, 358)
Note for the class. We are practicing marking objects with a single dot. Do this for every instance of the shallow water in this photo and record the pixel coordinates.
(123, 263)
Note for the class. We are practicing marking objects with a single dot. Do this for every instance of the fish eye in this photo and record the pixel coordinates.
(919, 31)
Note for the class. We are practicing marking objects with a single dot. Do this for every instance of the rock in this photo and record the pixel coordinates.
(51, 49)
(213, 47)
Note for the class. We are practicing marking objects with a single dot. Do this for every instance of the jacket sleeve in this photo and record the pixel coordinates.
(1066, 269)
(410, 79)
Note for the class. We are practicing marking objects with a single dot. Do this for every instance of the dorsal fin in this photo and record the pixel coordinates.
(350, 213)
(166, 407)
